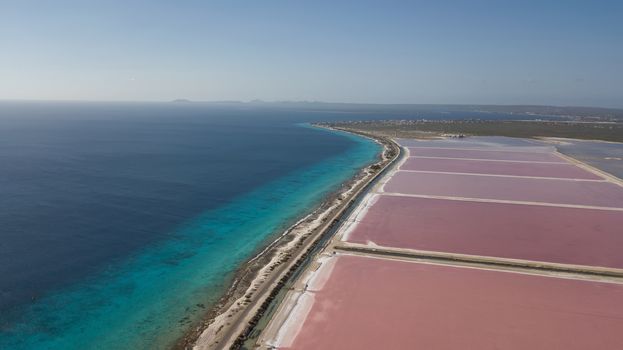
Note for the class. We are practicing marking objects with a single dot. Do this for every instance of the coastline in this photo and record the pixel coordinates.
(152, 299)
(258, 280)
(298, 306)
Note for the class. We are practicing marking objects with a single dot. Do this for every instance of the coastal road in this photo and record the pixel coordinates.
(484, 246)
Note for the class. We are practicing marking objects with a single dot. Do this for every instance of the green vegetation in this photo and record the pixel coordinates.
(607, 131)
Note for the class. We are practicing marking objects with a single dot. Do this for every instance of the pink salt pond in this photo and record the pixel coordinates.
(588, 193)
(529, 232)
(554, 170)
(370, 303)
(489, 154)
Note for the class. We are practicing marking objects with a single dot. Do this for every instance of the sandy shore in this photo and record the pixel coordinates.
(259, 280)
(297, 307)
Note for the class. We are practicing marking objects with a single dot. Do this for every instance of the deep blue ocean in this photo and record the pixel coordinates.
(120, 223)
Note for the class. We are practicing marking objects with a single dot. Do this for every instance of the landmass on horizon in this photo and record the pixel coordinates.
(569, 112)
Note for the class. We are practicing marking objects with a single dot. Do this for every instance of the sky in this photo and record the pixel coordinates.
(465, 52)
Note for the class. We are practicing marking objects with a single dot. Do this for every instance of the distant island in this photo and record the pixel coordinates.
(181, 100)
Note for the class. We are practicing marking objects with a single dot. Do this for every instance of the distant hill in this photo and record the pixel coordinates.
(181, 100)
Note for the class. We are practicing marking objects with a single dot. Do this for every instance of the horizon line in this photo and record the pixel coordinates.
(260, 101)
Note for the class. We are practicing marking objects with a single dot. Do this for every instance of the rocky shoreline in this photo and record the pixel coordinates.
(259, 280)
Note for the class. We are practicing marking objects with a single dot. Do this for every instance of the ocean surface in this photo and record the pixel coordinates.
(121, 223)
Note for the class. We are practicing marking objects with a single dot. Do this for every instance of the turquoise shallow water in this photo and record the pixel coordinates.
(151, 298)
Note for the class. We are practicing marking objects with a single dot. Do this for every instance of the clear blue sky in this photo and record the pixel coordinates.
(502, 52)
